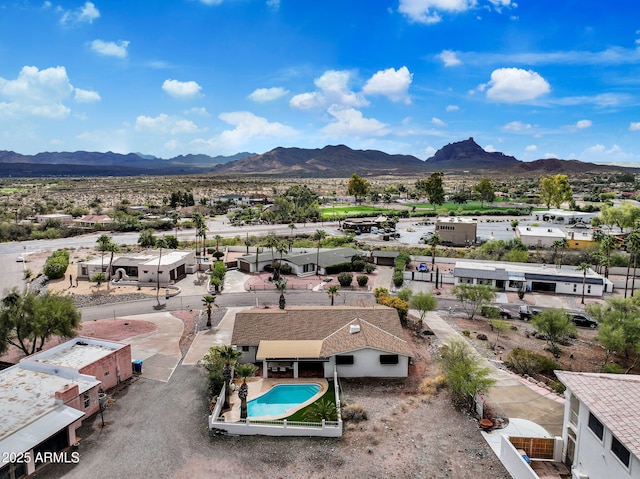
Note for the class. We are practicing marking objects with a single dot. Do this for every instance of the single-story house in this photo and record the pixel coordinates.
(301, 260)
(91, 221)
(564, 217)
(312, 341)
(45, 397)
(539, 236)
(531, 277)
(142, 267)
(601, 426)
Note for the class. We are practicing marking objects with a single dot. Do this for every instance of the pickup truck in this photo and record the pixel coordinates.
(527, 313)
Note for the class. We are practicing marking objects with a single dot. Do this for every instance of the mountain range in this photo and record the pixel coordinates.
(330, 161)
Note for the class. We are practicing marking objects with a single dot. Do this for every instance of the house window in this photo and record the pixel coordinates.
(388, 359)
(87, 400)
(620, 451)
(344, 359)
(596, 426)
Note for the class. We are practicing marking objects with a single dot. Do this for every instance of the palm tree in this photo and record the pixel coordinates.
(281, 286)
(633, 247)
(332, 291)
(229, 355)
(319, 236)
(111, 248)
(209, 302)
(103, 240)
(244, 370)
(160, 243)
(434, 241)
(584, 267)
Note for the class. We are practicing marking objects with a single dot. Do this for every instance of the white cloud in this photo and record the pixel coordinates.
(349, 122)
(582, 124)
(517, 127)
(512, 85)
(438, 121)
(37, 93)
(333, 89)
(181, 89)
(391, 83)
(262, 95)
(449, 58)
(634, 126)
(86, 96)
(85, 14)
(452, 108)
(531, 148)
(426, 11)
(110, 49)
(164, 124)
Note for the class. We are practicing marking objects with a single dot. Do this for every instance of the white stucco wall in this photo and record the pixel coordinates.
(366, 363)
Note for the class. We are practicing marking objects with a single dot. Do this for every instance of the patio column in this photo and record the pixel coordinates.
(295, 370)
(265, 369)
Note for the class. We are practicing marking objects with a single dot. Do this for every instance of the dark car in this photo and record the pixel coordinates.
(583, 320)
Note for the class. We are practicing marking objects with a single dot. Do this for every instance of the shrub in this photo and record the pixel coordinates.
(525, 361)
(362, 280)
(398, 279)
(354, 413)
(345, 279)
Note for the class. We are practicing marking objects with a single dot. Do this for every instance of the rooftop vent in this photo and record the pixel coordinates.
(354, 328)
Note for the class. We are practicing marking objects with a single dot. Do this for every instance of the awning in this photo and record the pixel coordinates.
(40, 430)
(289, 349)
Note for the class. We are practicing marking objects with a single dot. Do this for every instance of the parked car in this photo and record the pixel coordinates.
(526, 313)
(583, 320)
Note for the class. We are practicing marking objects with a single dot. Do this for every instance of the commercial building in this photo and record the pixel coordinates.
(457, 230)
(45, 397)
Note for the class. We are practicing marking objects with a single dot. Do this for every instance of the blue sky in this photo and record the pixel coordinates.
(533, 79)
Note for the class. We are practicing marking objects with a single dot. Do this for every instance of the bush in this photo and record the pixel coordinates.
(354, 413)
(362, 280)
(56, 265)
(398, 278)
(345, 279)
(524, 361)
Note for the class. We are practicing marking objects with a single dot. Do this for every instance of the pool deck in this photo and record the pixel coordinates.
(258, 387)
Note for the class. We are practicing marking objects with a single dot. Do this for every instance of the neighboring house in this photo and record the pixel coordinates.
(301, 260)
(539, 236)
(564, 217)
(601, 427)
(45, 397)
(142, 267)
(531, 277)
(62, 218)
(457, 230)
(91, 221)
(312, 341)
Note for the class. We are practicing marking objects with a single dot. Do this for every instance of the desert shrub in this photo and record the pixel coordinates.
(432, 386)
(345, 279)
(525, 361)
(362, 280)
(612, 368)
(56, 265)
(398, 278)
(354, 413)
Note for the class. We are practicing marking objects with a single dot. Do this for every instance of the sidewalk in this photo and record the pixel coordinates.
(512, 397)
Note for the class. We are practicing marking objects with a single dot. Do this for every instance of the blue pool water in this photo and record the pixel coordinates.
(278, 399)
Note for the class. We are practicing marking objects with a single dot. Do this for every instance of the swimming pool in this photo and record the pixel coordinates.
(280, 398)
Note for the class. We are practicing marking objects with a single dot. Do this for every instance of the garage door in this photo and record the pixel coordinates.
(542, 286)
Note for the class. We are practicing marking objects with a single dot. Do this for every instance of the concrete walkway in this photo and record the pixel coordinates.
(217, 336)
(160, 349)
(512, 395)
